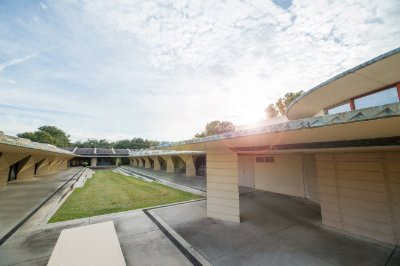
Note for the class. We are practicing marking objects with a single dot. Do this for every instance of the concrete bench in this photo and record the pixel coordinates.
(95, 244)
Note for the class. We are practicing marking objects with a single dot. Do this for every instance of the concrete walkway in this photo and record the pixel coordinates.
(18, 199)
(141, 241)
(275, 230)
(197, 182)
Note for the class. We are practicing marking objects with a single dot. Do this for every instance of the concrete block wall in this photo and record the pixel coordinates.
(360, 193)
(310, 177)
(222, 185)
(283, 176)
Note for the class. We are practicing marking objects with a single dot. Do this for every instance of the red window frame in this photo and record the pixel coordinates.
(351, 100)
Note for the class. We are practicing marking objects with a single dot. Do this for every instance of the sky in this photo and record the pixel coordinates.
(163, 69)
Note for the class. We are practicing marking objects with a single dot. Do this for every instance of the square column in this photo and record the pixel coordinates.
(147, 163)
(157, 166)
(140, 162)
(93, 162)
(190, 166)
(43, 168)
(222, 185)
(170, 164)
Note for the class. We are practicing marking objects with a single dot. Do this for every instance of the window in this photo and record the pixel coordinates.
(378, 98)
(344, 107)
(264, 159)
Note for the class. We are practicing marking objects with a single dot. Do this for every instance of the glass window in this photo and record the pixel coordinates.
(345, 107)
(378, 98)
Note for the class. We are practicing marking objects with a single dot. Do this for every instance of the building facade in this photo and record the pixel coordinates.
(339, 147)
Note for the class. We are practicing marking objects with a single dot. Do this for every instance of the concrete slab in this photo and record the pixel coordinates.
(173, 216)
(275, 230)
(18, 199)
(32, 245)
(152, 248)
(139, 237)
(130, 225)
(95, 244)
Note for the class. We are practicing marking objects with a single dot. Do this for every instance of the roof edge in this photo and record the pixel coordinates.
(345, 73)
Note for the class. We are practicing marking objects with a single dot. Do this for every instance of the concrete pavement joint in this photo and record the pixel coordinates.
(24, 220)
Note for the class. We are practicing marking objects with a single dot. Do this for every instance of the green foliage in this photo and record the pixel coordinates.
(135, 143)
(282, 104)
(55, 136)
(85, 164)
(48, 134)
(216, 127)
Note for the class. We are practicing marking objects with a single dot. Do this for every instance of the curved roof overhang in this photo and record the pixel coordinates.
(374, 74)
(365, 129)
(28, 149)
(146, 153)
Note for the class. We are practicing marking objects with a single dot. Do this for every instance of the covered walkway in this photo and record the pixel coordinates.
(197, 182)
(18, 199)
(275, 230)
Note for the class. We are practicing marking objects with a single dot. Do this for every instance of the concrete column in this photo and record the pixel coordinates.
(135, 162)
(190, 166)
(147, 163)
(157, 166)
(93, 162)
(6, 160)
(222, 185)
(43, 168)
(53, 165)
(170, 164)
(26, 167)
(140, 162)
(64, 164)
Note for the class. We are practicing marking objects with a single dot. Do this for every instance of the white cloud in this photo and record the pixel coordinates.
(20, 60)
(161, 69)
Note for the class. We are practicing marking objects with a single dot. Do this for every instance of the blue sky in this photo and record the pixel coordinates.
(163, 69)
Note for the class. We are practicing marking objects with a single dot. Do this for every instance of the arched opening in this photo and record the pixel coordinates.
(151, 162)
(200, 163)
(179, 165)
(163, 163)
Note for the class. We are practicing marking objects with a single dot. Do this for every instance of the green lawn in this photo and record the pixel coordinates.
(108, 192)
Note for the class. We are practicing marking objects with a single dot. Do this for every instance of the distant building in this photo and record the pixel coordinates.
(98, 157)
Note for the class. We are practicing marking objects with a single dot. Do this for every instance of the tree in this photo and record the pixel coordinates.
(282, 104)
(271, 111)
(216, 127)
(48, 134)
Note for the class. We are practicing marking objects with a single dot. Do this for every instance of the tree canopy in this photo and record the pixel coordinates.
(216, 127)
(281, 105)
(135, 143)
(48, 134)
(55, 136)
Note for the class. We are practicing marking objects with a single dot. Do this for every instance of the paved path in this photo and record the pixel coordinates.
(140, 239)
(18, 199)
(274, 230)
(197, 182)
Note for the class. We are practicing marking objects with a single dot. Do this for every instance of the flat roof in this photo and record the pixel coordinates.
(376, 73)
(21, 145)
